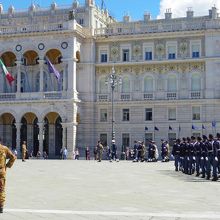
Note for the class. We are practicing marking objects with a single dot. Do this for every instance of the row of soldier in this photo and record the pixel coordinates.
(198, 155)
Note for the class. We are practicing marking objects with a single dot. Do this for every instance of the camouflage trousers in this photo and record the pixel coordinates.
(2, 191)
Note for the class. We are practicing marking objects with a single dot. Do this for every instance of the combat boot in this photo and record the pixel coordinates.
(215, 178)
(1, 209)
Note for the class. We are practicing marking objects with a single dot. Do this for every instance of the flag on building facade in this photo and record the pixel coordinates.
(170, 128)
(203, 127)
(156, 128)
(146, 128)
(214, 124)
(52, 69)
(7, 75)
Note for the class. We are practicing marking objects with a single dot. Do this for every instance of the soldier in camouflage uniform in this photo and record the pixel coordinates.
(5, 154)
(100, 151)
(24, 150)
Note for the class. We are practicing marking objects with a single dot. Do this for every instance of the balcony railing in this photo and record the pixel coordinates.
(52, 95)
(195, 95)
(125, 97)
(171, 95)
(102, 98)
(148, 96)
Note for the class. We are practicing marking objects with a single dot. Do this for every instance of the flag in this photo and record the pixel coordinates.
(213, 124)
(179, 128)
(203, 127)
(170, 128)
(8, 76)
(146, 128)
(52, 69)
(194, 127)
(156, 128)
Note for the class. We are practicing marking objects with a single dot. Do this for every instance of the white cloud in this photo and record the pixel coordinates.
(179, 7)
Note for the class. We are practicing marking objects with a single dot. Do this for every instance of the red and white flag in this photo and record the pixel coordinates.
(8, 76)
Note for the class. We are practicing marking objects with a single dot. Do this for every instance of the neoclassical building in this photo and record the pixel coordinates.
(169, 70)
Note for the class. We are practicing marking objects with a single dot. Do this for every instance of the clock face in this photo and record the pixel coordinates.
(41, 46)
(18, 48)
(64, 45)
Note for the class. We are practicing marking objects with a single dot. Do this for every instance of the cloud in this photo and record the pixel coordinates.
(179, 7)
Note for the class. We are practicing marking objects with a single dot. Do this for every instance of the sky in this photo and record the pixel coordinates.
(135, 8)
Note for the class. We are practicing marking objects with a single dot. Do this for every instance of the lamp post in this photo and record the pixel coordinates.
(113, 80)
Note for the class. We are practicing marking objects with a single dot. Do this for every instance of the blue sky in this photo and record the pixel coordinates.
(117, 8)
(135, 8)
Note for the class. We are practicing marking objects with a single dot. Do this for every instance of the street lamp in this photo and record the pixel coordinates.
(113, 80)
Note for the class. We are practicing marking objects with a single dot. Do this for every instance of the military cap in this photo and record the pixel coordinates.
(210, 136)
(204, 137)
(193, 138)
(218, 135)
(199, 138)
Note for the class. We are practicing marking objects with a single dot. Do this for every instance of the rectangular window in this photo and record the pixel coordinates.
(196, 113)
(104, 56)
(126, 116)
(172, 114)
(195, 51)
(171, 52)
(148, 138)
(103, 115)
(103, 139)
(125, 54)
(125, 140)
(148, 53)
(148, 114)
(171, 139)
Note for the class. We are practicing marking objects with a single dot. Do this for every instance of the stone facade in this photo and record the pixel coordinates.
(169, 71)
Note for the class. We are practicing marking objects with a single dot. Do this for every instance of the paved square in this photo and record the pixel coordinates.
(55, 189)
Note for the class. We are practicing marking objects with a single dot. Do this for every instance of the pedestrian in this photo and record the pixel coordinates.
(77, 154)
(65, 153)
(24, 151)
(87, 153)
(45, 156)
(99, 151)
(95, 152)
(5, 154)
(114, 151)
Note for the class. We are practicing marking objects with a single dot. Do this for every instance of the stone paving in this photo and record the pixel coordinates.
(81, 190)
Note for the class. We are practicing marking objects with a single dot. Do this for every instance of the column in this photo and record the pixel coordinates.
(64, 126)
(41, 64)
(18, 76)
(41, 132)
(18, 136)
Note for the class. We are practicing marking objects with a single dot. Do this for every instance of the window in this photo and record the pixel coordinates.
(148, 53)
(125, 85)
(103, 87)
(81, 21)
(171, 139)
(148, 114)
(125, 141)
(172, 114)
(125, 116)
(103, 115)
(103, 56)
(196, 82)
(125, 54)
(171, 84)
(171, 52)
(196, 113)
(195, 51)
(103, 139)
(148, 84)
(148, 138)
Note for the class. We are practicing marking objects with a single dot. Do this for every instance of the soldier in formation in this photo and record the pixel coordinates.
(198, 155)
(5, 154)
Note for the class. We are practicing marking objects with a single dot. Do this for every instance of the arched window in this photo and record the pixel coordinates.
(103, 87)
(171, 84)
(196, 82)
(125, 85)
(148, 84)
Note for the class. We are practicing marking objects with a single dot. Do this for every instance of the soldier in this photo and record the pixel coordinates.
(114, 150)
(209, 157)
(24, 151)
(216, 157)
(143, 151)
(192, 155)
(135, 151)
(176, 154)
(204, 155)
(198, 153)
(182, 154)
(164, 151)
(5, 154)
(100, 151)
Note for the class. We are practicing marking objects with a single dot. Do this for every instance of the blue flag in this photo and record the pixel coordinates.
(170, 128)
(52, 69)
(213, 124)
(194, 127)
(146, 128)
(203, 127)
(156, 128)
(179, 128)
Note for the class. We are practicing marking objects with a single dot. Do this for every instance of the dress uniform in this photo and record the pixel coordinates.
(5, 154)
(209, 156)
(216, 157)
(176, 154)
(198, 153)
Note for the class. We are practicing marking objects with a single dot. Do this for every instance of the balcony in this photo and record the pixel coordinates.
(195, 95)
(148, 96)
(102, 98)
(125, 97)
(171, 95)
